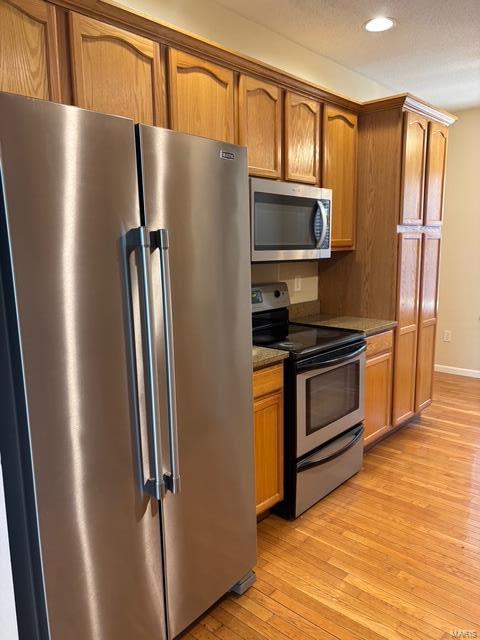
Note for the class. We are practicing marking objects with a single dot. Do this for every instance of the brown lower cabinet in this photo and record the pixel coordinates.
(268, 425)
(378, 386)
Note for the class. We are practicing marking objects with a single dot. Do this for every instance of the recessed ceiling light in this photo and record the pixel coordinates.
(379, 24)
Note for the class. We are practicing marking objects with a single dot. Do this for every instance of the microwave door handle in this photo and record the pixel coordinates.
(315, 222)
(321, 210)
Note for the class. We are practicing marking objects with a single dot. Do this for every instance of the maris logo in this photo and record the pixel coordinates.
(464, 633)
(227, 155)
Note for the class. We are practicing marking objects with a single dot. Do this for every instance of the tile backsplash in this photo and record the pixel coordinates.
(287, 272)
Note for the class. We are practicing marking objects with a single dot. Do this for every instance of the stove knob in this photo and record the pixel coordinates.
(276, 293)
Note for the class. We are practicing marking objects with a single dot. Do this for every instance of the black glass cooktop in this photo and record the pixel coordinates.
(301, 339)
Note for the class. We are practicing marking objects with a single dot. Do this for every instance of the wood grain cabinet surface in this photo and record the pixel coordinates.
(409, 256)
(201, 97)
(427, 320)
(268, 425)
(115, 71)
(435, 173)
(339, 172)
(413, 174)
(302, 138)
(378, 386)
(260, 126)
(29, 61)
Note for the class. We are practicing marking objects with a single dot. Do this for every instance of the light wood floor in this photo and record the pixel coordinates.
(393, 553)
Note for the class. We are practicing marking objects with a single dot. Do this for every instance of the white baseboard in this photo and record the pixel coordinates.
(456, 371)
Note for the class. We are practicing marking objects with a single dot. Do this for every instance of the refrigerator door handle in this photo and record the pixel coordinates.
(139, 240)
(160, 241)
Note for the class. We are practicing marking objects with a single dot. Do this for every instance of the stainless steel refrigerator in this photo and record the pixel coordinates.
(125, 372)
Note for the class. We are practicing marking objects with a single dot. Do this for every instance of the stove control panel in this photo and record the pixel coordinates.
(271, 295)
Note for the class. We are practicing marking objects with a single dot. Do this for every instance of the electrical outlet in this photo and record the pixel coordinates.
(447, 335)
(297, 283)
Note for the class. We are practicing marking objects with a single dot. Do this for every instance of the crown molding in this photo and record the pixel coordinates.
(408, 102)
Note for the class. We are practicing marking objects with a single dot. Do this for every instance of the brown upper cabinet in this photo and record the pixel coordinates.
(115, 71)
(414, 155)
(260, 126)
(435, 173)
(201, 97)
(302, 138)
(339, 171)
(29, 62)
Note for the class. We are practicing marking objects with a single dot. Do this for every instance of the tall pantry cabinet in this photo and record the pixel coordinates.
(421, 211)
(393, 273)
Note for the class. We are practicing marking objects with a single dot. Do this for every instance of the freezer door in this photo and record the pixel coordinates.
(197, 190)
(70, 195)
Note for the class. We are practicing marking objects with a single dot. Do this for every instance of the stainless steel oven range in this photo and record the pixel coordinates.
(324, 384)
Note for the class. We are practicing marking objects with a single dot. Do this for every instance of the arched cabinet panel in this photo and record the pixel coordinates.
(339, 171)
(260, 126)
(29, 62)
(115, 71)
(201, 97)
(302, 130)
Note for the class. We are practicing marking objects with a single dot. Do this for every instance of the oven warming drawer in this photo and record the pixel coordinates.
(328, 467)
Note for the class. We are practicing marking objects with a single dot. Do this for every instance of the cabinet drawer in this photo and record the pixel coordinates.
(379, 343)
(267, 380)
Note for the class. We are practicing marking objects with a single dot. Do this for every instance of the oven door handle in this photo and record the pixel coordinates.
(357, 435)
(306, 366)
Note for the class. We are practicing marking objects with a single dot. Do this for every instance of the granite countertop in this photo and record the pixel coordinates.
(370, 326)
(263, 357)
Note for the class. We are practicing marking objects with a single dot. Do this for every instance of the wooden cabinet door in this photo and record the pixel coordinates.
(339, 169)
(378, 396)
(29, 62)
(415, 130)
(115, 71)
(302, 126)
(409, 257)
(201, 97)
(435, 173)
(260, 126)
(268, 418)
(427, 320)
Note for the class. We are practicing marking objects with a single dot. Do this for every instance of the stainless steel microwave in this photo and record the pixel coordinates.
(289, 221)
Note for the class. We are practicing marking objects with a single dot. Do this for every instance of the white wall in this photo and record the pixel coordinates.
(459, 302)
(214, 22)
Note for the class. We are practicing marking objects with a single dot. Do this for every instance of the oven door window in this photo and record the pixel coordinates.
(332, 395)
(284, 222)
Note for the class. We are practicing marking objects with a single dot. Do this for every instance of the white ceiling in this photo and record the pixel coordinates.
(433, 52)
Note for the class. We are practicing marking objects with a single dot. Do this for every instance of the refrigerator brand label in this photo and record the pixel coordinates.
(227, 155)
